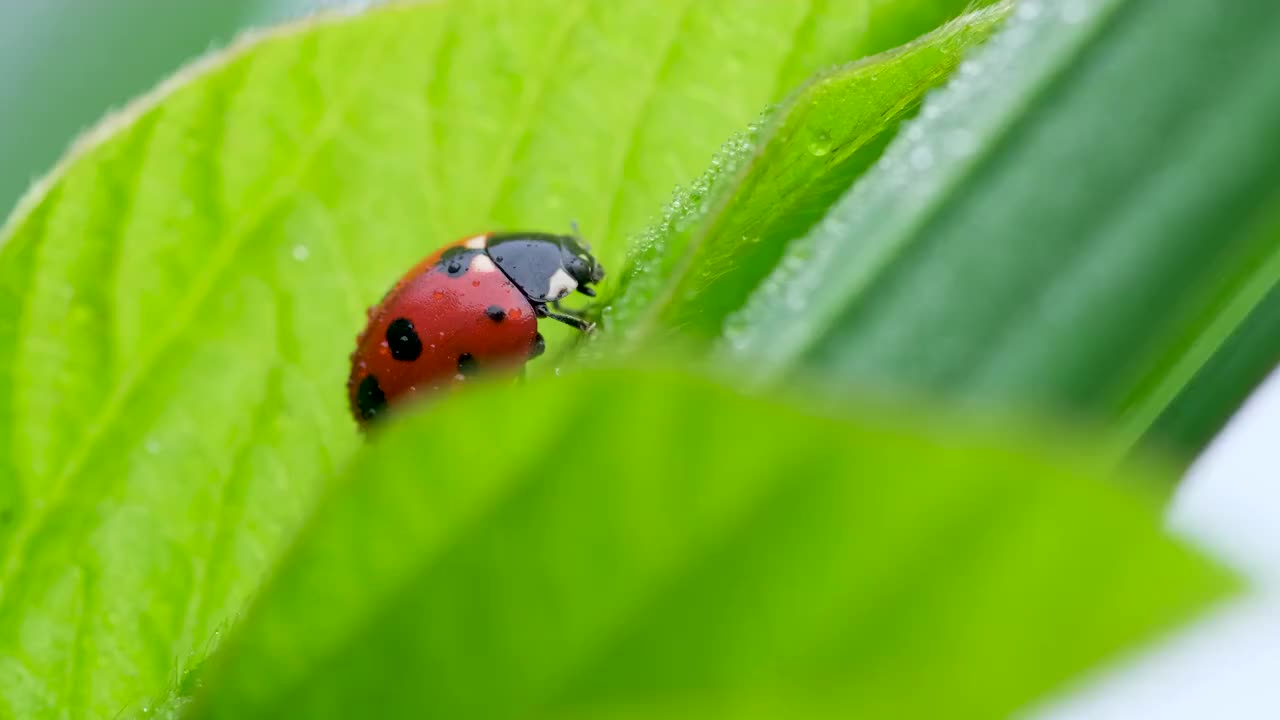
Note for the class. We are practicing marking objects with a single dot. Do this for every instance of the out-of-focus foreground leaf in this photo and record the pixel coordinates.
(178, 299)
(1084, 221)
(706, 554)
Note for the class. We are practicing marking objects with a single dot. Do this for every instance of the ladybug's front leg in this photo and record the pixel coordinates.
(565, 317)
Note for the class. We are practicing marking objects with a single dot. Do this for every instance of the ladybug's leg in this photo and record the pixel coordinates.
(564, 317)
(573, 321)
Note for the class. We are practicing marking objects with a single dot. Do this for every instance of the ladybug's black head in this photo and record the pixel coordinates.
(545, 267)
(577, 260)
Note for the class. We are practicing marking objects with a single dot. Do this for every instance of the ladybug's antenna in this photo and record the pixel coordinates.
(577, 235)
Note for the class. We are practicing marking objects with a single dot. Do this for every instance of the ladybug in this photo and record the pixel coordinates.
(471, 306)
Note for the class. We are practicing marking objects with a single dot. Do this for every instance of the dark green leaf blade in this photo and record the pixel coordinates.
(708, 554)
(1077, 221)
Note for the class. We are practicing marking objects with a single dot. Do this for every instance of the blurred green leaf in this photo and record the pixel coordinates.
(706, 555)
(177, 300)
(724, 234)
(1076, 224)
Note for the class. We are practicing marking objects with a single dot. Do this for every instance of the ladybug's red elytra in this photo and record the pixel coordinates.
(472, 305)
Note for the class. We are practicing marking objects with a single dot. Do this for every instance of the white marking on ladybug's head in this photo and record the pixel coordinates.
(476, 243)
(481, 263)
(562, 283)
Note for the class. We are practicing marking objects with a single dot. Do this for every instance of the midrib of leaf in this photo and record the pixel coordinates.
(857, 280)
(184, 313)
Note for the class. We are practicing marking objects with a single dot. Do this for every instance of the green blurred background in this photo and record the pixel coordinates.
(65, 63)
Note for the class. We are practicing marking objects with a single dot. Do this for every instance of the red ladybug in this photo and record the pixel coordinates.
(472, 305)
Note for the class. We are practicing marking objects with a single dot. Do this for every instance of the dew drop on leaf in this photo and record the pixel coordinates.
(821, 144)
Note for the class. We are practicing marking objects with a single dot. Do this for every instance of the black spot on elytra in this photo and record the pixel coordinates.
(538, 347)
(369, 398)
(466, 364)
(495, 313)
(403, 340)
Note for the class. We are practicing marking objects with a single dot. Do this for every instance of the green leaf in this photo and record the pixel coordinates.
(708, 555)
(1083, 222)
(177, 300)
(724, 234)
